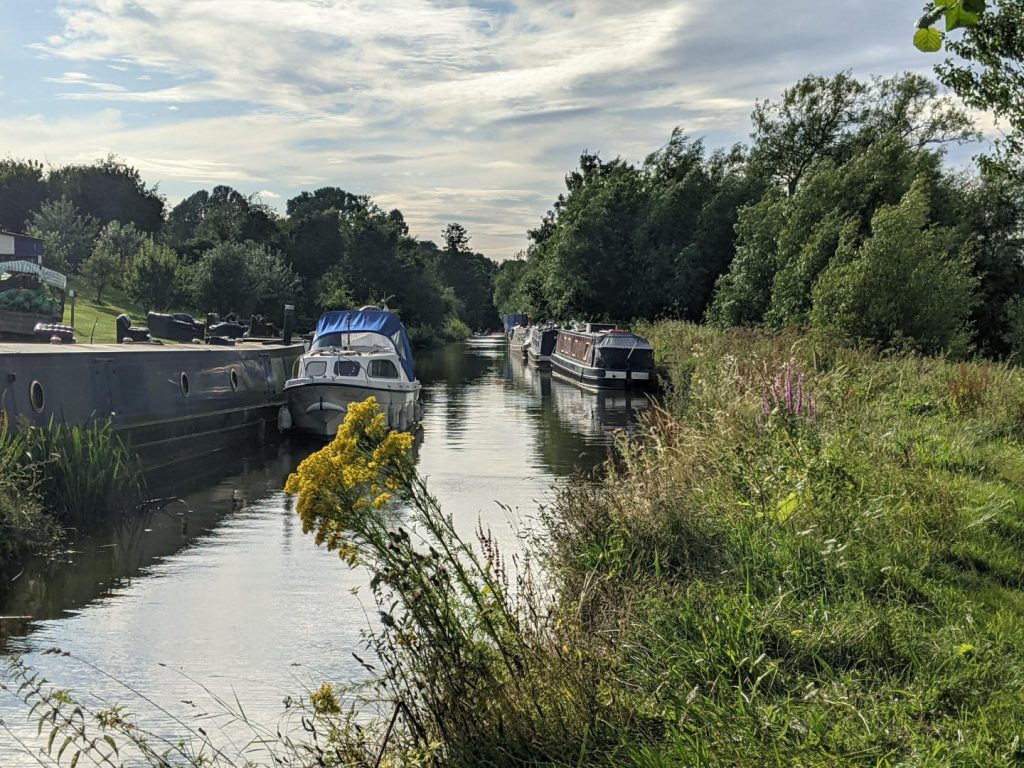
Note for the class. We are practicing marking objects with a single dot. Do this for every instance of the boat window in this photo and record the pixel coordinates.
(316, 367)
(346, 368)
(383, 369)
(351, 340)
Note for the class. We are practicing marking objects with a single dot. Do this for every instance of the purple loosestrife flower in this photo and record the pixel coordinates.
(787, 395)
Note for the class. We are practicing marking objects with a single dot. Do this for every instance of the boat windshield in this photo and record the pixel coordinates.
(358, 340)
(627, 340)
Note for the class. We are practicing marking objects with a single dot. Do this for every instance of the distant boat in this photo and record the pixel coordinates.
(487, 340)
(603, 357)
(354, 354)
(542, 344)
(519, 340)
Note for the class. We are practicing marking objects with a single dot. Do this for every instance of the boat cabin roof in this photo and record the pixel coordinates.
(366, 321)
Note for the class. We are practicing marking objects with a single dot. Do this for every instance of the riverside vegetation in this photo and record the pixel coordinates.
(812, 555)
(56, 479)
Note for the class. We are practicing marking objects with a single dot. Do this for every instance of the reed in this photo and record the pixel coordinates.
(85, 475)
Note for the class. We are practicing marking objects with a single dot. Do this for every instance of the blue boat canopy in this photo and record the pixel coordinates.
(377, 321)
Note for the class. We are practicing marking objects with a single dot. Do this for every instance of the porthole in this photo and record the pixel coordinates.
(185, 387)
(233, 378)
(37, 397)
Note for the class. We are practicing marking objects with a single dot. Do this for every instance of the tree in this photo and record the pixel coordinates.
(22, 191)
(456, 239)
(67, 237)
(815, 119)
(243, 278)
(205, 219)
(990, 75)
(907, 283)
(152, 277)
(784, 243)
(121, 241)
(103, 268)
(110, 190)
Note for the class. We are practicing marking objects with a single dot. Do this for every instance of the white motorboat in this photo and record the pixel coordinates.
(354, 354)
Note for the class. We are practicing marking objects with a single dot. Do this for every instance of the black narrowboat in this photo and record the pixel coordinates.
(542, 344)
(603, 357)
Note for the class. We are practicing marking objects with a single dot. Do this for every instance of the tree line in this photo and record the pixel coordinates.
(840, 215)
(221, 251)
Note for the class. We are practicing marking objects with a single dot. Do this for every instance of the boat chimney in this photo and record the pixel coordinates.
(289, 320)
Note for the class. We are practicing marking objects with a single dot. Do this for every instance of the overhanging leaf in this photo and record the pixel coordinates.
(953, 18)
(928, 40)
(974, 6)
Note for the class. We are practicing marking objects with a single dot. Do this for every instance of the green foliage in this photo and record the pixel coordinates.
(986, 73)
(84, 474)
(470, 276)
(204, 219)
(109, 190)
(334, 293)
(816, 119)
(786, 244)
(1015, 327)
(957, 14)
(102, 268)
(152, 276)
(244, 278)
(68, 238)
(22, 191)
(24, 527)
(906, 283)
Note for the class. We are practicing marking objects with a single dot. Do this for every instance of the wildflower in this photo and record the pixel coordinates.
(787, 395)
(342, 483)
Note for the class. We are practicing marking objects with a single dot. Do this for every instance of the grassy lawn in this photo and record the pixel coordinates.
(94, 320)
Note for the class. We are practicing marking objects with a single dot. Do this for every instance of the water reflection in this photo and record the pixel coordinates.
(225, 588)
(576, 426)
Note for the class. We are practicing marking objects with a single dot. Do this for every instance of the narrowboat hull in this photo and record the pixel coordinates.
(319, 408)
(542, 345)
(598, 379)
(167, 403)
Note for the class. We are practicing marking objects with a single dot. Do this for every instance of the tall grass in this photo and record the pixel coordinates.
(24, 527)
(85, 475)
(57, 477)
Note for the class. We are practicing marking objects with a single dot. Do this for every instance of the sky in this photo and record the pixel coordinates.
(470, 111)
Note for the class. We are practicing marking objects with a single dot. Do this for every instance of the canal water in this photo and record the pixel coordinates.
(220, 596)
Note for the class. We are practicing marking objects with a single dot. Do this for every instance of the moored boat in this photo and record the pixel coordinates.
(487, 340)
(519, 340)
(542, 344)
(355, 354)
(168, 403)
(603, 357)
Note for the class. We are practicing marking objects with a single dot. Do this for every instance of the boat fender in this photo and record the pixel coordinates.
(284, 418)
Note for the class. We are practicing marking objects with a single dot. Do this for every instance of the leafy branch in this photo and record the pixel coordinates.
(958, 14)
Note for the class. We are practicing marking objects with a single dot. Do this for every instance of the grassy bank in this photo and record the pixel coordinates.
(812, 556)
(95, 320)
